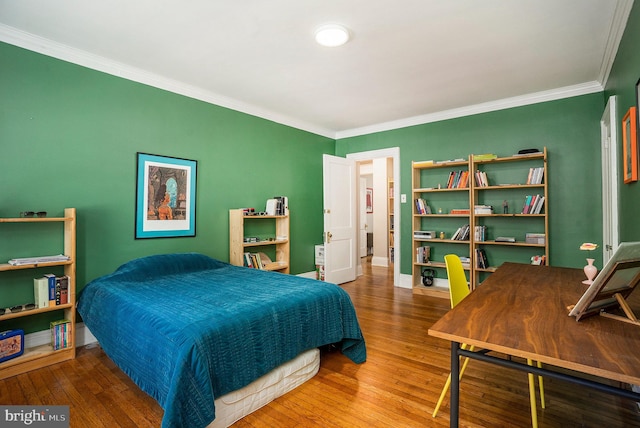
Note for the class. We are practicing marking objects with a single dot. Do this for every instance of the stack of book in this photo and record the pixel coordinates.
(533, 204)
(422, 207)
(423, 254)
(458, 180)
(51, 290)
(482, 209)
(479, 233)
(462, 234)
(535, 175)
(481, 259)
(60, 334)
(256, 260)
(481, 179)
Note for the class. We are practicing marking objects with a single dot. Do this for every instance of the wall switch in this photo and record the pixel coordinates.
(403, 198)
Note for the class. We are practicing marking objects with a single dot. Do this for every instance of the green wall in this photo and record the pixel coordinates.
(622, 81)
(69, 138)
(570, 130)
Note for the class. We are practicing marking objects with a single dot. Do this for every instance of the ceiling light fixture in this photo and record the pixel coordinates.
(332, 35)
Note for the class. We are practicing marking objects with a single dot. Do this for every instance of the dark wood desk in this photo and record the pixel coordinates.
(521, 310)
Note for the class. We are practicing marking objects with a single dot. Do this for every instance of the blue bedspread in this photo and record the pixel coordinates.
(187, 328)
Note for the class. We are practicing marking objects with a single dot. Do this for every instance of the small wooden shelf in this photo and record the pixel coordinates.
(237, 246)
(44, 355)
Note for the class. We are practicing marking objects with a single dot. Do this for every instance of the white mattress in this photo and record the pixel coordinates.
(237, 404)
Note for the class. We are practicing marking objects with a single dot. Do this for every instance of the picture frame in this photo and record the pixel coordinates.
(630, 146)
(165, 197)
(369, 200)
(637, 109)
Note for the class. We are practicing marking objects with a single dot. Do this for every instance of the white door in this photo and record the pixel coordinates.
(340, 219)
(362, 190)
(609, 135)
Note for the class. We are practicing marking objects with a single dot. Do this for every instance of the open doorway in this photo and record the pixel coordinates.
(380, 223)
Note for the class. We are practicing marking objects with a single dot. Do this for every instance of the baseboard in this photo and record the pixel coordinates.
(380, 261)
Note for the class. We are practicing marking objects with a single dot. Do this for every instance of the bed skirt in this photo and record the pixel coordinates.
(237, 404)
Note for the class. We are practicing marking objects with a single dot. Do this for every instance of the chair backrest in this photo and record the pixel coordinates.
(458, 287)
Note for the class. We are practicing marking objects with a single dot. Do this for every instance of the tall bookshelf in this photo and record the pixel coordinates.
(43, 355)
(272, 232)
(513, 182)
(451, 207)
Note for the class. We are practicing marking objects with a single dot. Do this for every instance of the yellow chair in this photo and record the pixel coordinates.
(458, 290)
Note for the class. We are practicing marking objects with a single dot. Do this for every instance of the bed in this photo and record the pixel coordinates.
(189, 329)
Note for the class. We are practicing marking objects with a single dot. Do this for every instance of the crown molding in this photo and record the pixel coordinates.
(63, 52)
(618, 25)
(506, 103)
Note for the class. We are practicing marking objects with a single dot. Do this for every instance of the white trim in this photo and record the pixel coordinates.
(519, 101)
(391, 152)
(618, 25)
(610, 197)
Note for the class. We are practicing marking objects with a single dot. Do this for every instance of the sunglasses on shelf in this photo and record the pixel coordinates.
(18, 308)
(33, 213)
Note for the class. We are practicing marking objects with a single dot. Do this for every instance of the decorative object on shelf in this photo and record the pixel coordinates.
(28, 214)
(369, 198)
(630, 146)
(165, 197)
(589, 270)
(427, 277)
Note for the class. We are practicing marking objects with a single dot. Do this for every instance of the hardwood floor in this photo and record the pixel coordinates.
(398, 386)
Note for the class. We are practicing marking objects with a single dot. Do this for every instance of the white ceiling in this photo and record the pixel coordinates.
(408, 62)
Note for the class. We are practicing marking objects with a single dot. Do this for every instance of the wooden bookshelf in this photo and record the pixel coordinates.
(44, 355)
(278, 240)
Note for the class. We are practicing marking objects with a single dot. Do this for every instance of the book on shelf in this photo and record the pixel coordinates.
(479, 233)
(535, 238)
(62, 290)
(458, 180)
(485, 156)
(422, 254)
(51, 279)
(505, 239)
(481, 179)
(256, 260)
(41, 292)
(535, 175)
(462, 234)
(482, 209)
(422, 207)
(36, 260)
(61, 336)
(463, 211)
(481, 258)
(533, 204)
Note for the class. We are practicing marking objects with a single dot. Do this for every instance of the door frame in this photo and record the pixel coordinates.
(609, 147)
(394, 153)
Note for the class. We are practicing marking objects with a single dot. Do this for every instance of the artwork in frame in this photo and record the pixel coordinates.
(630, 146)
(369, 197)
(165, 197)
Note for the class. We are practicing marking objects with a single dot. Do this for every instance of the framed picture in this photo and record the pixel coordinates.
(630, 146)
(165, 197)
(369, 200)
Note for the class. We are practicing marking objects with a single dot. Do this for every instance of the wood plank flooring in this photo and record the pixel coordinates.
(398, 386)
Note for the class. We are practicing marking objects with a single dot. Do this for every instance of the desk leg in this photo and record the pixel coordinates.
(454, 398)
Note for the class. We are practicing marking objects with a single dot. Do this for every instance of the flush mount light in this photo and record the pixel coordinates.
(332, 35)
